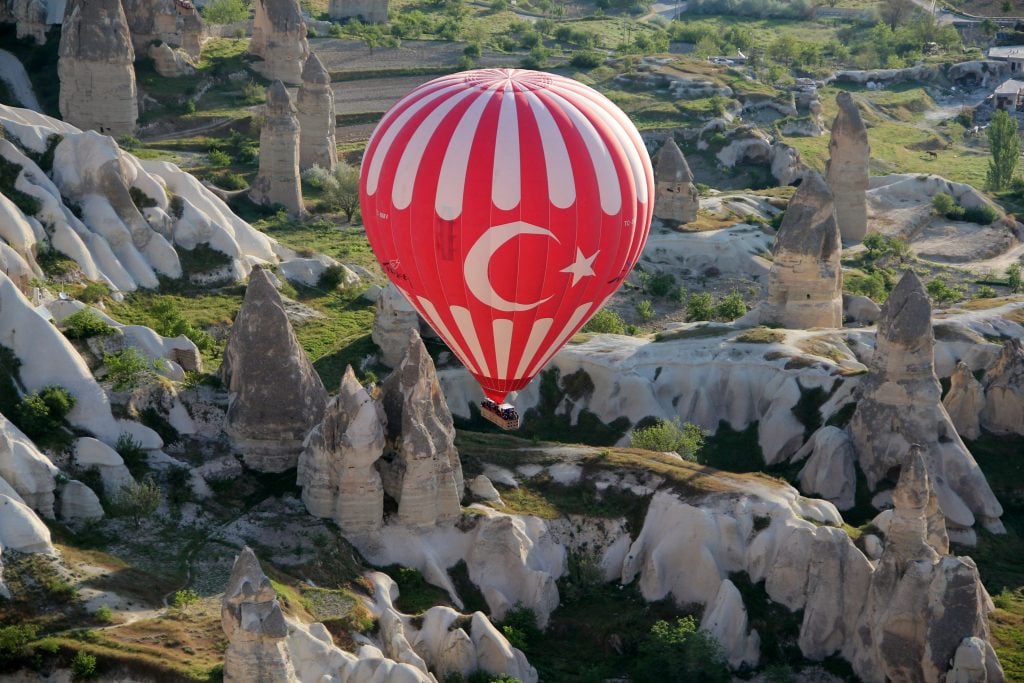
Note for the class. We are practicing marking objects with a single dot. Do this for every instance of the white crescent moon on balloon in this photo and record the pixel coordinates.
(478, 261)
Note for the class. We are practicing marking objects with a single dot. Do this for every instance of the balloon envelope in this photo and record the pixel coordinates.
(507, 206)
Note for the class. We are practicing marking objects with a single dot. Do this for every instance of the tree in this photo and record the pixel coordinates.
(136, 500)
(1005, 147)
(680, 648)
(341, 190)
(896, 12)
(127, 368)
(605, 321)
(667, 437)
(225, 11)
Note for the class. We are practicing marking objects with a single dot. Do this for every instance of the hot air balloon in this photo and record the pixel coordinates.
(507, 206)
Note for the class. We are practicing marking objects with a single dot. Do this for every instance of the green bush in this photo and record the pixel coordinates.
(184, 599)
(141, 199)
(731, 307)
(127, 369)
(700, 307)
(332, 278)
(939, 290)
(878, 245)
(683, 650)
(872, 285)
(166, 318)
(41, 415)
(218, 158)
(982, 215)
(668, 437)
(661, 284)
(943, 203)
(645, 310)
(86, 323)
(225, 11)
(1013, 278)
(83, 665)
(520, 627)
(136, 501)
(14, 641)
(605, 321)
(93, 292)
(985, 292)
(133, 454)
(585, 59)
(104, 615)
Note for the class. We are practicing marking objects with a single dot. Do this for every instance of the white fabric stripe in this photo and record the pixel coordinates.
(409, 165)
(537, 334)
(451, 189)
(502, 344)
(379, 154)
(625, 142)
(600, 157)
(432, 316)
(464, 321)
(506, 183)
(561, 181)
(556, 345)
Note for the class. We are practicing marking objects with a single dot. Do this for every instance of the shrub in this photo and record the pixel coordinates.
(605, 321)
(731, 307)
(585, 59)
(700, 307)
(127, 369)
(690, 654)
(225, 11)
(985, 292)
(645, 310)
(86, 323)
(83, 665)
(667, 437)
(14, 641)
(217, 157)
(878, 245)
(872, 285)
(661, 284)
(104, 615)
(136, 500)
(93, 292)
(943, 203)
(982, 215)
(942, 292)
(341, 191)
(230, 181)
(1013, 277)
(520, 627)
(332, 277)
(184, 599)
(41, 414)
(133, 454)
(254, 93)
(141, 199)
(167, 319)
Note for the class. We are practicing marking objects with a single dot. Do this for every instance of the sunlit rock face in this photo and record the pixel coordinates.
(317, 121)
(97, 76)
(964, 401)
(899, 405)
(279, 37)
(276, 395)
(1004, 391)
(676, 199)
(278, 180)
(847, 169)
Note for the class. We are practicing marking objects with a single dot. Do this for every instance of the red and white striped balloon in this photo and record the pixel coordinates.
(507, 206)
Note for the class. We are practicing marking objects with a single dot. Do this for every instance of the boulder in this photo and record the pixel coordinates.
(860, 309)
(278, 180)
(27, 470)
(676, 199)
(79, 503)
(21, 530)
(276, 395)
(421, 468)
(317, 121)
(96, 71)
(394, 319)
(805, 284)
(170, 62)
(482, 488)
(91, 453)
(830, 471)
(495, 654)
(279, 37)
(975, 662)
(1004, 391)
(31, 19)
(964, 402)
(255, 627)
(336, 468)
(898, 404)
(847, 169)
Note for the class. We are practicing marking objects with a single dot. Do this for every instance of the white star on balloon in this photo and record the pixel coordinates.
(582, 267)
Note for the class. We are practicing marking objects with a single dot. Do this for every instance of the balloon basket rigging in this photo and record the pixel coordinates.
(503, 415)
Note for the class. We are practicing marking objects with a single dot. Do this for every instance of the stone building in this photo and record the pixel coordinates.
(97, 76)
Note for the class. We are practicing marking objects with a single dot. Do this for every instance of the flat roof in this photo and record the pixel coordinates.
(1006, 52)
(1010, 87)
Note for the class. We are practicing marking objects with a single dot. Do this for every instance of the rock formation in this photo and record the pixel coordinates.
(167, 21)
(110, 238)
(170, 62)
(964, 402)
(278, 180)
(79, 503)
(1004, 391)
(675, 196)
(27, 470)
(830, 471)
(847, 169)
(97, 78)
(90, 453)
(20, 530)
(368, 11)
(391, 325)
(336, 468)
(922, 603)
(315, 107)
(421, 468)
(805, 285)
(898, 404)
(31, 19)
(279, 37)
(254, 626)
(276, 395)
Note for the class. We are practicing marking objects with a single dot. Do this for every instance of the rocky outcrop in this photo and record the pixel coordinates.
(90, 453)
(22, 531)
(394, 319)
(279, 37)
(421, 468)
(97, 77)
(368, 11)
(726, 621)
(278, 180)
(1004, 391)
(898, 404)
(675, 196)
(88, 203)
(27, 470)
(317, 659)
(805, 285)
(315, 107)
(964, 402)
(847, 169)
(170, 62)
(276, 395)
(978, 73)
(922, 603)
(830, 471)
(255, 627)
(79, 503)
(31, 19)
(336, 468)
(166, 21)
